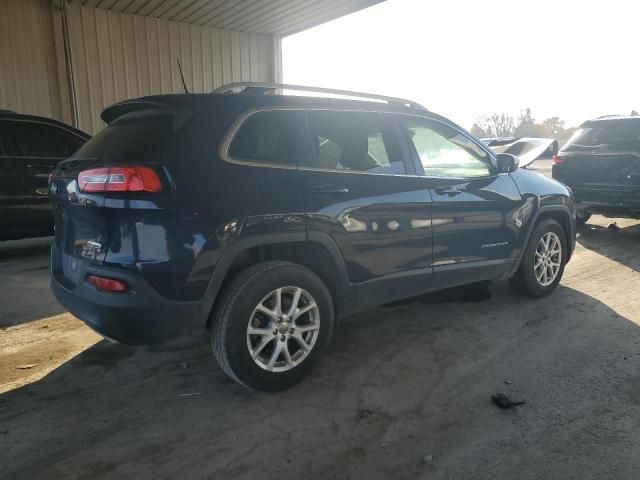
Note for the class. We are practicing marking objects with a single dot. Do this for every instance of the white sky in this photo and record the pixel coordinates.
(465, 58)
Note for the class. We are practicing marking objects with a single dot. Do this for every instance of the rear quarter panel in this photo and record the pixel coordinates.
(223, 202)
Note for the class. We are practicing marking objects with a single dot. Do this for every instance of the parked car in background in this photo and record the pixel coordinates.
(601, 164)
(268, 218)
(30, 148)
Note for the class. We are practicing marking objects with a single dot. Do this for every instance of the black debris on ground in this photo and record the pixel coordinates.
(505, 403)
(364, 413)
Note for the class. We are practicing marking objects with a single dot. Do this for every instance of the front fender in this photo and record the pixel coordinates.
(542, 211)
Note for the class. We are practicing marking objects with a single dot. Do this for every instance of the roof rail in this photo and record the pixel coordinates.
(262, 88)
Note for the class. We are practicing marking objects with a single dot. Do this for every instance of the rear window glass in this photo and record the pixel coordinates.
(266, 137)
(614, 133)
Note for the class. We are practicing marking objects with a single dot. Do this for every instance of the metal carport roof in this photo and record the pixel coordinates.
(279, 17)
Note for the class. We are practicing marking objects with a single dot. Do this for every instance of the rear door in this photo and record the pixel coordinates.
(42, 146)
(475, 235)
(361, 190)
(14, 208)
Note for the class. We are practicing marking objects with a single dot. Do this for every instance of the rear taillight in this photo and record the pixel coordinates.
(119, 179)
(108, 284)
(558, 159)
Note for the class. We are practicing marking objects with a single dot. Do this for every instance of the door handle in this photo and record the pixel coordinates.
(449, 191)
(329, 189)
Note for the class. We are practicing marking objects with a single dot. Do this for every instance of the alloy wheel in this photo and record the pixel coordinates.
(548, 259)
(283, 329)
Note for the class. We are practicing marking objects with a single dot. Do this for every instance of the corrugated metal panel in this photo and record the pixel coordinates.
(118, 56)
(28, 72)
(281, 17)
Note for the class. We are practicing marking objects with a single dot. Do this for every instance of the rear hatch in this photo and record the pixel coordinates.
(136, 134)
(601, 162)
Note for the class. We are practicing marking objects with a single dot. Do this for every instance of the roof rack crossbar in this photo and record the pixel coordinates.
(261, 86)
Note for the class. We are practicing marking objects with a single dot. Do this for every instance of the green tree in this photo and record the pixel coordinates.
(553, 126)
(502, 125)
(479, 131)
(526, 124)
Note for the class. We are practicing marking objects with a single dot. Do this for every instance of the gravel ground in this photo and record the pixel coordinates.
(403, 393)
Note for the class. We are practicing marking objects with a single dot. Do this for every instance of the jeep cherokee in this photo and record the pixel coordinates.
(266, 218)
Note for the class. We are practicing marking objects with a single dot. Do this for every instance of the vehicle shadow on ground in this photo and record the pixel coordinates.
(622, 246)
(404, 392)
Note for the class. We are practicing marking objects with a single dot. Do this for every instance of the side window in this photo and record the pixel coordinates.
(266, 137)
(41, 140)
(354, 141)
(445, 152)
(8, 147)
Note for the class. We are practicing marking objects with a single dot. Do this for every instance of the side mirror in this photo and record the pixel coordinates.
(507, 163)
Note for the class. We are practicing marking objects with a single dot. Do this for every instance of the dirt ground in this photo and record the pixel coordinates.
(403, 393)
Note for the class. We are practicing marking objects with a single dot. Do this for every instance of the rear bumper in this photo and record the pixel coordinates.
(611, 202)
(140, 316)
(609, 209)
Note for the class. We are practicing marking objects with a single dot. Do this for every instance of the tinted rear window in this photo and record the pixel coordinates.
(616, 133)
(139, 136)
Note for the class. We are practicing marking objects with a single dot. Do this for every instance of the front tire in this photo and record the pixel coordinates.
(272, 326)
(544, 260)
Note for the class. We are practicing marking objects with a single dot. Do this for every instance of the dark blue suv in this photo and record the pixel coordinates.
(266, 218)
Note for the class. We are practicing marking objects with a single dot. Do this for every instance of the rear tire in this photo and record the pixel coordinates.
(542, 265)
(260, 338)
(582, 217)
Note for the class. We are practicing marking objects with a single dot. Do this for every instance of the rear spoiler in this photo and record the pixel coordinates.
(180, 107)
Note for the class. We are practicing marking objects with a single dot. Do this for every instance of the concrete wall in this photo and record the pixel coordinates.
(113, 56)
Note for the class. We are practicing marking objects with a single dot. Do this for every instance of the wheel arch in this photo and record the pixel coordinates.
(318, 253)
(559, 213)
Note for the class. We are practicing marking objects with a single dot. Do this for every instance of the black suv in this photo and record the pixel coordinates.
(601, 164)
(30, 148)
(267, 218)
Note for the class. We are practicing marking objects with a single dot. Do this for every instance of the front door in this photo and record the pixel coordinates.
(475, 209)
(361, 190)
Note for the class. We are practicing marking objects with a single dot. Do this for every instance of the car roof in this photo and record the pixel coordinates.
(191, 101)
(234, 104)
(610, 119)
(11, 115)
(305, 101)
(247, 102)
